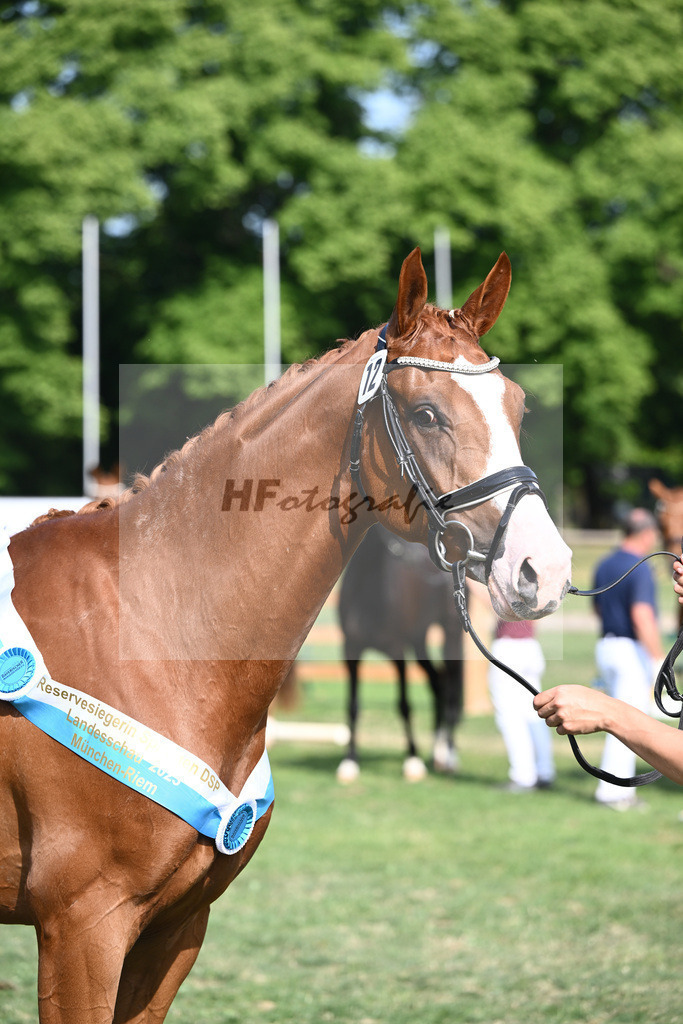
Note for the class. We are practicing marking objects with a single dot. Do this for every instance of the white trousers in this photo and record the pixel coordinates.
(528, 740)
(626, 670)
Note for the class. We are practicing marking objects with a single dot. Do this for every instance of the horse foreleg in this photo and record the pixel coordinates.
(155, 968)
(81, 951)
(348, 769)
(414, 767)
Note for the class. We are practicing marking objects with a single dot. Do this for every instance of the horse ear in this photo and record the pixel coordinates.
(657, 488)
(412, 295)
(485, 303)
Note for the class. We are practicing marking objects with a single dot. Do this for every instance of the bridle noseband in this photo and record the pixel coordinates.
(521, 478)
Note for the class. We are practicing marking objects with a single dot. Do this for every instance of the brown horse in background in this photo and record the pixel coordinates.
(183, 604)
(669, 512)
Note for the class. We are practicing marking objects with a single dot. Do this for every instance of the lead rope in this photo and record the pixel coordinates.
(665, 677)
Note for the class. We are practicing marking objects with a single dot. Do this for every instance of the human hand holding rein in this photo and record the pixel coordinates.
(577, 709)
(574, 710)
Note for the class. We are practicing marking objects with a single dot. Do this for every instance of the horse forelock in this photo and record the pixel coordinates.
(441, 334)
(489, 404)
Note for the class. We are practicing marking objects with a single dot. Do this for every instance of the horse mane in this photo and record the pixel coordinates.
(252, 404)
(235, 415)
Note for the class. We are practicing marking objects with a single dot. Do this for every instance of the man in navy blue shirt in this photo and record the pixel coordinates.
(629, 649)
(630, 609)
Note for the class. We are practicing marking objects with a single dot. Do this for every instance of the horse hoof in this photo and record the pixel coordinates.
(414, 769)
(348, 771)
(446, 760)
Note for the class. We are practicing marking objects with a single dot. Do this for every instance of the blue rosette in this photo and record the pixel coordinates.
(235, 827)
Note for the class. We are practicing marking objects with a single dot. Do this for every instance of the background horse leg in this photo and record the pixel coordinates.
(81, 949)
(155, 968)
(436, 680)
(445, 751)
(447, 695)
(348, 769)
(446, 687)
(452, 689)
(414, 767)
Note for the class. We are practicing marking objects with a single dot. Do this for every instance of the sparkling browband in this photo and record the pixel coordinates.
(438, 364)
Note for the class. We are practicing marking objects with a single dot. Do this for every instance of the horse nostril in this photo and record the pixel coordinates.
(528, 582)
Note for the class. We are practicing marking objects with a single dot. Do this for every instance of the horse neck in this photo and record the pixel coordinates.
(232, 553)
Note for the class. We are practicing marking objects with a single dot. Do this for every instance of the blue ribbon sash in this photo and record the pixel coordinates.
(119, 745)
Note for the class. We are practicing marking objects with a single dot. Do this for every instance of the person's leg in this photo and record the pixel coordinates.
(509, 701)
(623, 672)
(531, 665)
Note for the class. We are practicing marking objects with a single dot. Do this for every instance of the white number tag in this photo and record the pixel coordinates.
(372, 376)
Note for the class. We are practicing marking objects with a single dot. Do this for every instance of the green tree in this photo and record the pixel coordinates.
(181, 124)
(554, 131)
(550, 130)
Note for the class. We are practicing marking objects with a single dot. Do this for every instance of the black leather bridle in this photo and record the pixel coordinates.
(523, 481)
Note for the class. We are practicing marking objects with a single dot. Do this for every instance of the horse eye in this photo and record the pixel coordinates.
(424, 417)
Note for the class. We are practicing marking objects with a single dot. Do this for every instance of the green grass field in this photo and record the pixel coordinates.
(386, 902)
(446, 900)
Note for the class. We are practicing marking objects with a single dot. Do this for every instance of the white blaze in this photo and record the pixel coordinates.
(487, 392)
(531, 537)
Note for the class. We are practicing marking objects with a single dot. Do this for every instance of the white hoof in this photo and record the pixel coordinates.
(348, 771)
(445, 758)
(414, 769)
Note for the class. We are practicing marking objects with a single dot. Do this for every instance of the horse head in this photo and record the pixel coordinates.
(458, 419)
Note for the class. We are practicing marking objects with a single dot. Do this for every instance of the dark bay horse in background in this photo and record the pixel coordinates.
(183, 603)
(391, 593)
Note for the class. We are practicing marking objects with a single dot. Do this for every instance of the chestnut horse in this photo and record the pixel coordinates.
(183, 602)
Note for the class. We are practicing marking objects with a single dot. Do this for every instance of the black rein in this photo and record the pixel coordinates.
(666, 678)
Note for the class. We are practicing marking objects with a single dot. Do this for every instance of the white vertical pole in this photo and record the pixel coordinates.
(271, 300)
(442, 263)
(91, 350)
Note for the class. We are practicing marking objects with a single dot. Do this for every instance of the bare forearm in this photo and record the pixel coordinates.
(576, 710)
(654, 741)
